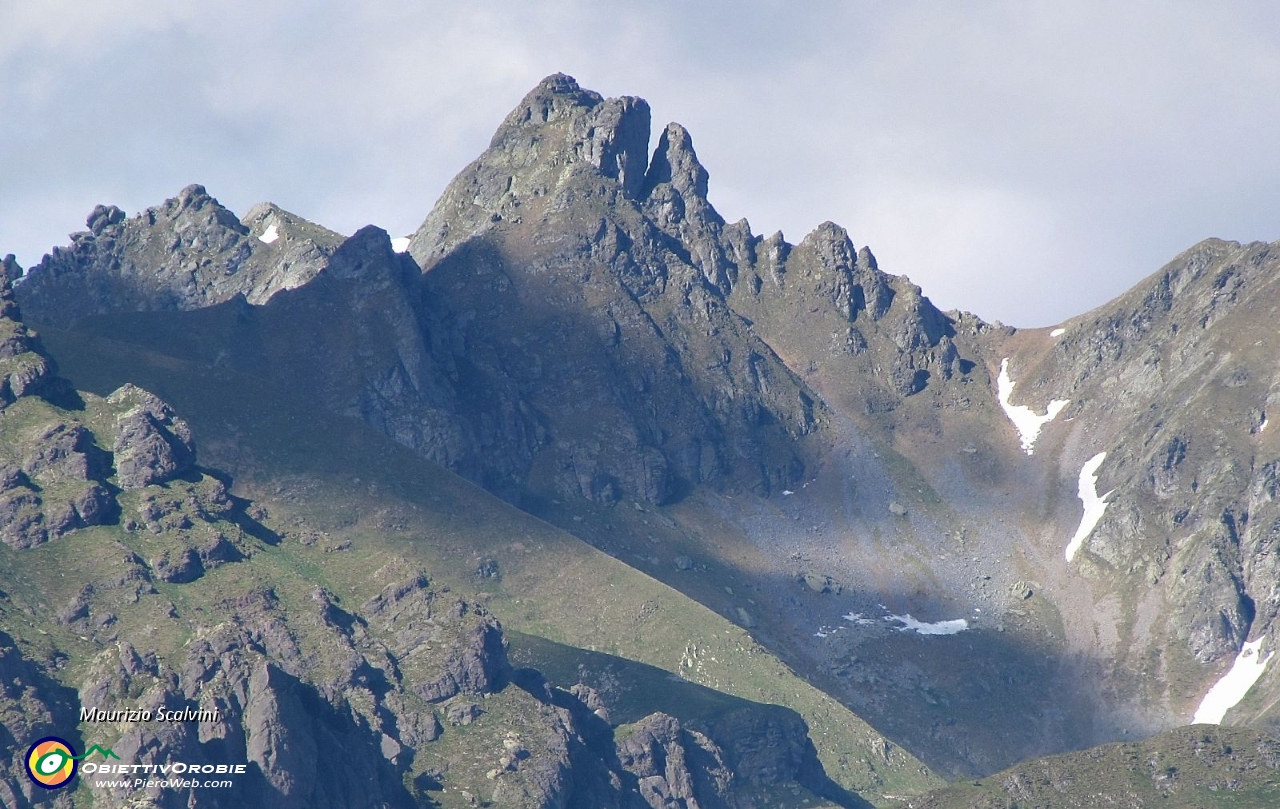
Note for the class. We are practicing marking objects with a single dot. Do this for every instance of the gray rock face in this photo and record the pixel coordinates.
(62, 451)
(103, 217)
(152, 444)
(557, 128)
(675, 196)
(635, 314)
(9, 268)
(58, 486)
(188, 253)
(827, 302)
(281, 724)
(675, 768)
(178, 566)
(476, 667)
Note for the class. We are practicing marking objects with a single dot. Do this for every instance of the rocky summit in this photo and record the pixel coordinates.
(590, 498)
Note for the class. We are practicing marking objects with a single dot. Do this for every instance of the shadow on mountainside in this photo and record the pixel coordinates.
(967, 704)
(277, 437)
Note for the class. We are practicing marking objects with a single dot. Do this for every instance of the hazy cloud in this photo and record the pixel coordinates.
(1026, 161)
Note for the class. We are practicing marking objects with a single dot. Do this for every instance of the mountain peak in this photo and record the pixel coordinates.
(676, 162)
(558, 131)
(610, 134)
(832, 243)
(555, 98)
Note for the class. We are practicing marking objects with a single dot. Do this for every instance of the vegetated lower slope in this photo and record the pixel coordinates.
(1186, 768)
(787, 434)
(346, 502)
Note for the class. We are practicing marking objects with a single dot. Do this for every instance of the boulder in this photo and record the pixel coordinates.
(178, 566)
(463, 713)
(103, 217)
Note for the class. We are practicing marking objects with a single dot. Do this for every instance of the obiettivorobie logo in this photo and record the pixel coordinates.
(52, 762)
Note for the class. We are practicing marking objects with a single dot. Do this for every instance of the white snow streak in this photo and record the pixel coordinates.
(1093, 504)
(1057, 332)
(1027, 422)
(1228, 691)
(269, 235)
(940, 628)
(400, 244)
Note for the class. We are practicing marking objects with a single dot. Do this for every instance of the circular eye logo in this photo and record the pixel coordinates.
(51, 762)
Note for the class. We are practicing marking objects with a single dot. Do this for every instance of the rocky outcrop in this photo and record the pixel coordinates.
(475, 662)
(559, 129)
(675, 196)
(56, 476)
(829, 303)
(476, 666)
(188, 253)
(658, 385)
(57, 485)
(62, 451)
(675, 768)
(283, 726)
(285, 699)
(10, 269)
(152, 445)
(24, 368)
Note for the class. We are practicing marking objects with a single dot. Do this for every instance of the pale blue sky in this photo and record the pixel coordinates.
(1025, 161)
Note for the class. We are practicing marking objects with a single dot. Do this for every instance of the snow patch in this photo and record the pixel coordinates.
(1228, 691)
(857, 618)
(269, 235)
(939, 628)
(787, 492)
(400, 244)
(1024, 419)
(1263, 425)
(1087, 488)
(1057, 332)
